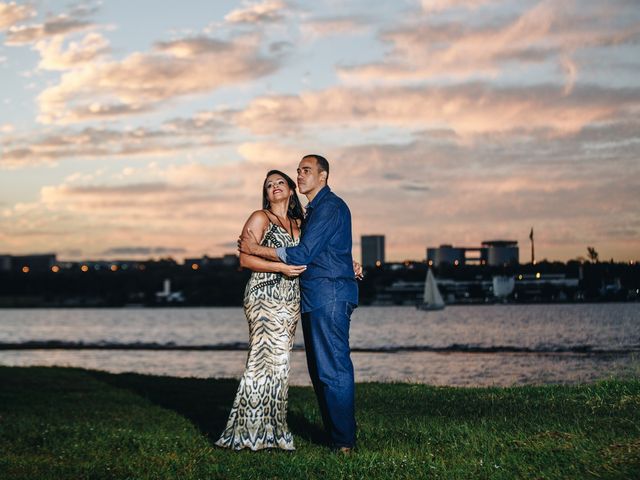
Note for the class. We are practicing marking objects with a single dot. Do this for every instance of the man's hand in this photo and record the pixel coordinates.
(357, 269)
(292, 270)
(247, 243)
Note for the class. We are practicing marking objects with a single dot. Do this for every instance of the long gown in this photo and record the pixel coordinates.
(258, 418)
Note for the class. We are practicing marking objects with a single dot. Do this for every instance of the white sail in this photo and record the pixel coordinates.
(431, 298)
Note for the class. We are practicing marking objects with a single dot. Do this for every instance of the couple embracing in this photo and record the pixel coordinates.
(279, 244)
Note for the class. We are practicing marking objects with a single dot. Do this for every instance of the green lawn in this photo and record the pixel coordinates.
(63, 423)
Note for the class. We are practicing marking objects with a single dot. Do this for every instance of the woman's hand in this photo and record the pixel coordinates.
(247, 242)
(357, 270)
(292, 270)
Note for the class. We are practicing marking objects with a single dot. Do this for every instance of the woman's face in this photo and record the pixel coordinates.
(277, 188)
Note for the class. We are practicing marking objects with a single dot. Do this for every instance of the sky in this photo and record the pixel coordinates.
(136, 130)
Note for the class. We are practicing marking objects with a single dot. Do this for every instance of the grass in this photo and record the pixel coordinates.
(65, 423)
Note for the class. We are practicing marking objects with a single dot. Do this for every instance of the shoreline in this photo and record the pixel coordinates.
(243, 347)
(364, 305)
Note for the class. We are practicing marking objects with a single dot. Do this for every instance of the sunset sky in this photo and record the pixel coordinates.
(143, 129)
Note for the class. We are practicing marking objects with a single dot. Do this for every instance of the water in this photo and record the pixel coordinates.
(461, 345)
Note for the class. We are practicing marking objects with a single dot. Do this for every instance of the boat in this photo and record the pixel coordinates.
(503, 286)
(431, 298)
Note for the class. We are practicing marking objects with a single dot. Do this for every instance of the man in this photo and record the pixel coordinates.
(329, 295)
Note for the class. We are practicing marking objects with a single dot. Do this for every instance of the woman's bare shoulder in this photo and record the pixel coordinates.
(258, 218)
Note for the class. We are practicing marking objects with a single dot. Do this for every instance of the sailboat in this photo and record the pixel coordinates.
(431, 298)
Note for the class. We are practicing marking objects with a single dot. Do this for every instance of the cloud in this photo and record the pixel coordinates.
(547, 32)
(95, 143)
(496, 188)
(170, 208)
(198, 207)
(270, 155)
(433, 6)
(202, 131)
(324, 26)
(59, 25)
(142, 81)
(467, 109)
(434, 189)
(268, 11)
(12, 13)
(52, 57)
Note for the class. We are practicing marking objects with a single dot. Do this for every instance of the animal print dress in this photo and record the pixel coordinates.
(258, 418)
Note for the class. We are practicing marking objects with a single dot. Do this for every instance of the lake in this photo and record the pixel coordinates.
(462, 345)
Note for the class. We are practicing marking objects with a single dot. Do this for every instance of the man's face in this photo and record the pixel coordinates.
(309, 176)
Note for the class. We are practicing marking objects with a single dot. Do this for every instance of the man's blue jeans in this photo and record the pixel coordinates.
(326, 339)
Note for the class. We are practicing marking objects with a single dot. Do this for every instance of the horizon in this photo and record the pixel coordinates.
(444, 121)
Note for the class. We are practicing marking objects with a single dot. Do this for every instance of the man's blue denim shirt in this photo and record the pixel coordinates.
(325, 248)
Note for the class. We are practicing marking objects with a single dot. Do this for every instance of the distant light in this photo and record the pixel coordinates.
(25, 269)
(538, 275)
(430, 262)
(456, 262)
(55, 269)
(519, 277)
(378, 263)
(84, 268)
(114, 267)
(195, 266)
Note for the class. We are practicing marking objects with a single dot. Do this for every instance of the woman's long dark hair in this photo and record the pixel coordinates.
(295, 207)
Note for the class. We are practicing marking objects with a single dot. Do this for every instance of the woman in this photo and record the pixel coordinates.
(258, 418)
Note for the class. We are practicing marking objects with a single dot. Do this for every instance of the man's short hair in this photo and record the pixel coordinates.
(323, 163)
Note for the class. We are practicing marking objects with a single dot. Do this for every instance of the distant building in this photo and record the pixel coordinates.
(5, 263)
(446, 254)
(33, 263)
(494, 253)
(228, 260)
(501, 252)
(372, 247)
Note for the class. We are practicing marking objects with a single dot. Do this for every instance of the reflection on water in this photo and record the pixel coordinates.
(542, 330)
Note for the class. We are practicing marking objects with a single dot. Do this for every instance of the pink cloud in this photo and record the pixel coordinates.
(549, 31)
(266, 11)
(11, 13)
(89, 49)
(467, 109)
(142, 81)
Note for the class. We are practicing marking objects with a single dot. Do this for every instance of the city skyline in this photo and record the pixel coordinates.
(445, 122)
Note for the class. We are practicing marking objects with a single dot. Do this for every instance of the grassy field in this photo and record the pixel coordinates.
(63, 423)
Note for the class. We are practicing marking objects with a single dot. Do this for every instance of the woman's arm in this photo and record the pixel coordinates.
(258, 222)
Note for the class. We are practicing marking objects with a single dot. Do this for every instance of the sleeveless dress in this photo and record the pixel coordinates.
(258, 418)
